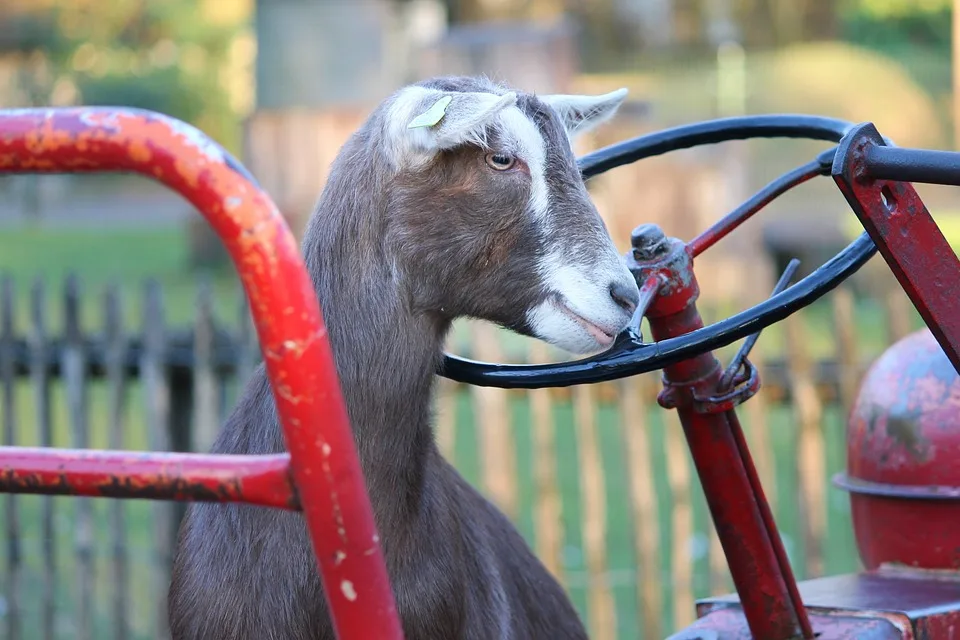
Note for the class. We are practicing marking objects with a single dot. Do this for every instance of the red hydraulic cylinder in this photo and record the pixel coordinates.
(741, 515)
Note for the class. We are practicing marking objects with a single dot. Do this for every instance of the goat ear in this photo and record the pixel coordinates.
(580, 114)
(444, 120)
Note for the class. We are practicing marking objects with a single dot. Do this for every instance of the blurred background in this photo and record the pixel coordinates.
(123, 326)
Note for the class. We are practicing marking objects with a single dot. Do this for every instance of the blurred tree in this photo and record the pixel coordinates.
(916, 32)
(610, 30)
(178, 57)
(894, 25)
(190, 59)
(778, 23)
(467, 11)
(901, 8)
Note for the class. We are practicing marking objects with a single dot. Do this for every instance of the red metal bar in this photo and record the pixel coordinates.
(765, 584)
(323, 460)
(722, 227)
(260, 480)
(906, 236)
(770, 524)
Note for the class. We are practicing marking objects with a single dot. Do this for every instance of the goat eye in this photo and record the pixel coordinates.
(500, 161)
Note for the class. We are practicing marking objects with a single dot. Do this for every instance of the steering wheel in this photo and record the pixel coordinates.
(629, 355)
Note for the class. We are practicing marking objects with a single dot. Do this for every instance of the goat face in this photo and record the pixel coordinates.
(489, 216)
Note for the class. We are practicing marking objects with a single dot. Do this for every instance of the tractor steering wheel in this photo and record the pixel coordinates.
(630, 355)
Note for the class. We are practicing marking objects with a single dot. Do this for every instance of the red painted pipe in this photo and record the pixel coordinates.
(905, 233)
(323, 460)
(765, 584)
(259, 480)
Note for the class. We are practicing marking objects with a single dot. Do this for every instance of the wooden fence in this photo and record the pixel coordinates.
(597, 477)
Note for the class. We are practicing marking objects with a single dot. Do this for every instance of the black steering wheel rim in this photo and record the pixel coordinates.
(628, 356)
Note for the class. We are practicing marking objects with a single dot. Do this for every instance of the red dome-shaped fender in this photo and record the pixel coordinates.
(903, 458)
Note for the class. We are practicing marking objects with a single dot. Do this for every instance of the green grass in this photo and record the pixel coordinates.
(105, 257)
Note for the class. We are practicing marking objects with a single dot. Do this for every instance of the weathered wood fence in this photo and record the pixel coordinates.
(597, 477)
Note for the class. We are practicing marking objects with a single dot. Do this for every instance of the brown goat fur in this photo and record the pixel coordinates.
(485, 215)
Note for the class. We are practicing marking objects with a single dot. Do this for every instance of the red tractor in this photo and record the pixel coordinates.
(902, 477)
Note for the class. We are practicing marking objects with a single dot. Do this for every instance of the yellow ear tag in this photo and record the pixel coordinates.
(431, 116)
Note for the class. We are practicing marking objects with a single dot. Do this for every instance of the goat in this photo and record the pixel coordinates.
(479, 211)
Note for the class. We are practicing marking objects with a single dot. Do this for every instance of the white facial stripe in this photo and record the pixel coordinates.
(549, 324)
(585, 291)
(522, 134)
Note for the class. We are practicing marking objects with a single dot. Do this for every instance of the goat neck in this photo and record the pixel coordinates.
(386, 351)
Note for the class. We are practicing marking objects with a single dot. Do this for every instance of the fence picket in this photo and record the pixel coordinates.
(811, 458)
(643, 501)
(845, 327)
(898, 314)
(116, 351)
(205, 402)
(602, 611)
(40, 380)
(73, 361)
(678, 470)
(14, 554)
(157, 400)
(548, 519)
(497, 450)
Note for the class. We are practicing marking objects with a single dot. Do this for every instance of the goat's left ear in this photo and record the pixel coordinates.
(580, 114)
(437, 120)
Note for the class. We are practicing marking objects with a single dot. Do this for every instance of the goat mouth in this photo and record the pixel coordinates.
(603, 337)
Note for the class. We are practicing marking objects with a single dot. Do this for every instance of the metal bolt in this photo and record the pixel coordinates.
(648, 242)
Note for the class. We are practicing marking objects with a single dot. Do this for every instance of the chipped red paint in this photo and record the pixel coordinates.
(902, 441)
(908, 604)
(323, 459)
(261, 480)
(728, 623)
(906, 236)
(741, 515)
(903, 444)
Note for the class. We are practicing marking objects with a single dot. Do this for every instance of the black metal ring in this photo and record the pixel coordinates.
(630, 357)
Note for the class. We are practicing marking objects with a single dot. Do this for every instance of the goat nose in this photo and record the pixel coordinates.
(627, 296)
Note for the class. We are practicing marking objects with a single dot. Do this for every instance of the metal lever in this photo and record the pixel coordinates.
(648, 291)
(727, 378)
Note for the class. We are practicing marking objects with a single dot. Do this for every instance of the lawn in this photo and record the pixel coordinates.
(102, 257)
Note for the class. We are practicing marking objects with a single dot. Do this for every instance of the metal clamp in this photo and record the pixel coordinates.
(745, 386)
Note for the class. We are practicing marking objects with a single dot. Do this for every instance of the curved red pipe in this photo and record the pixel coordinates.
(323, 461)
